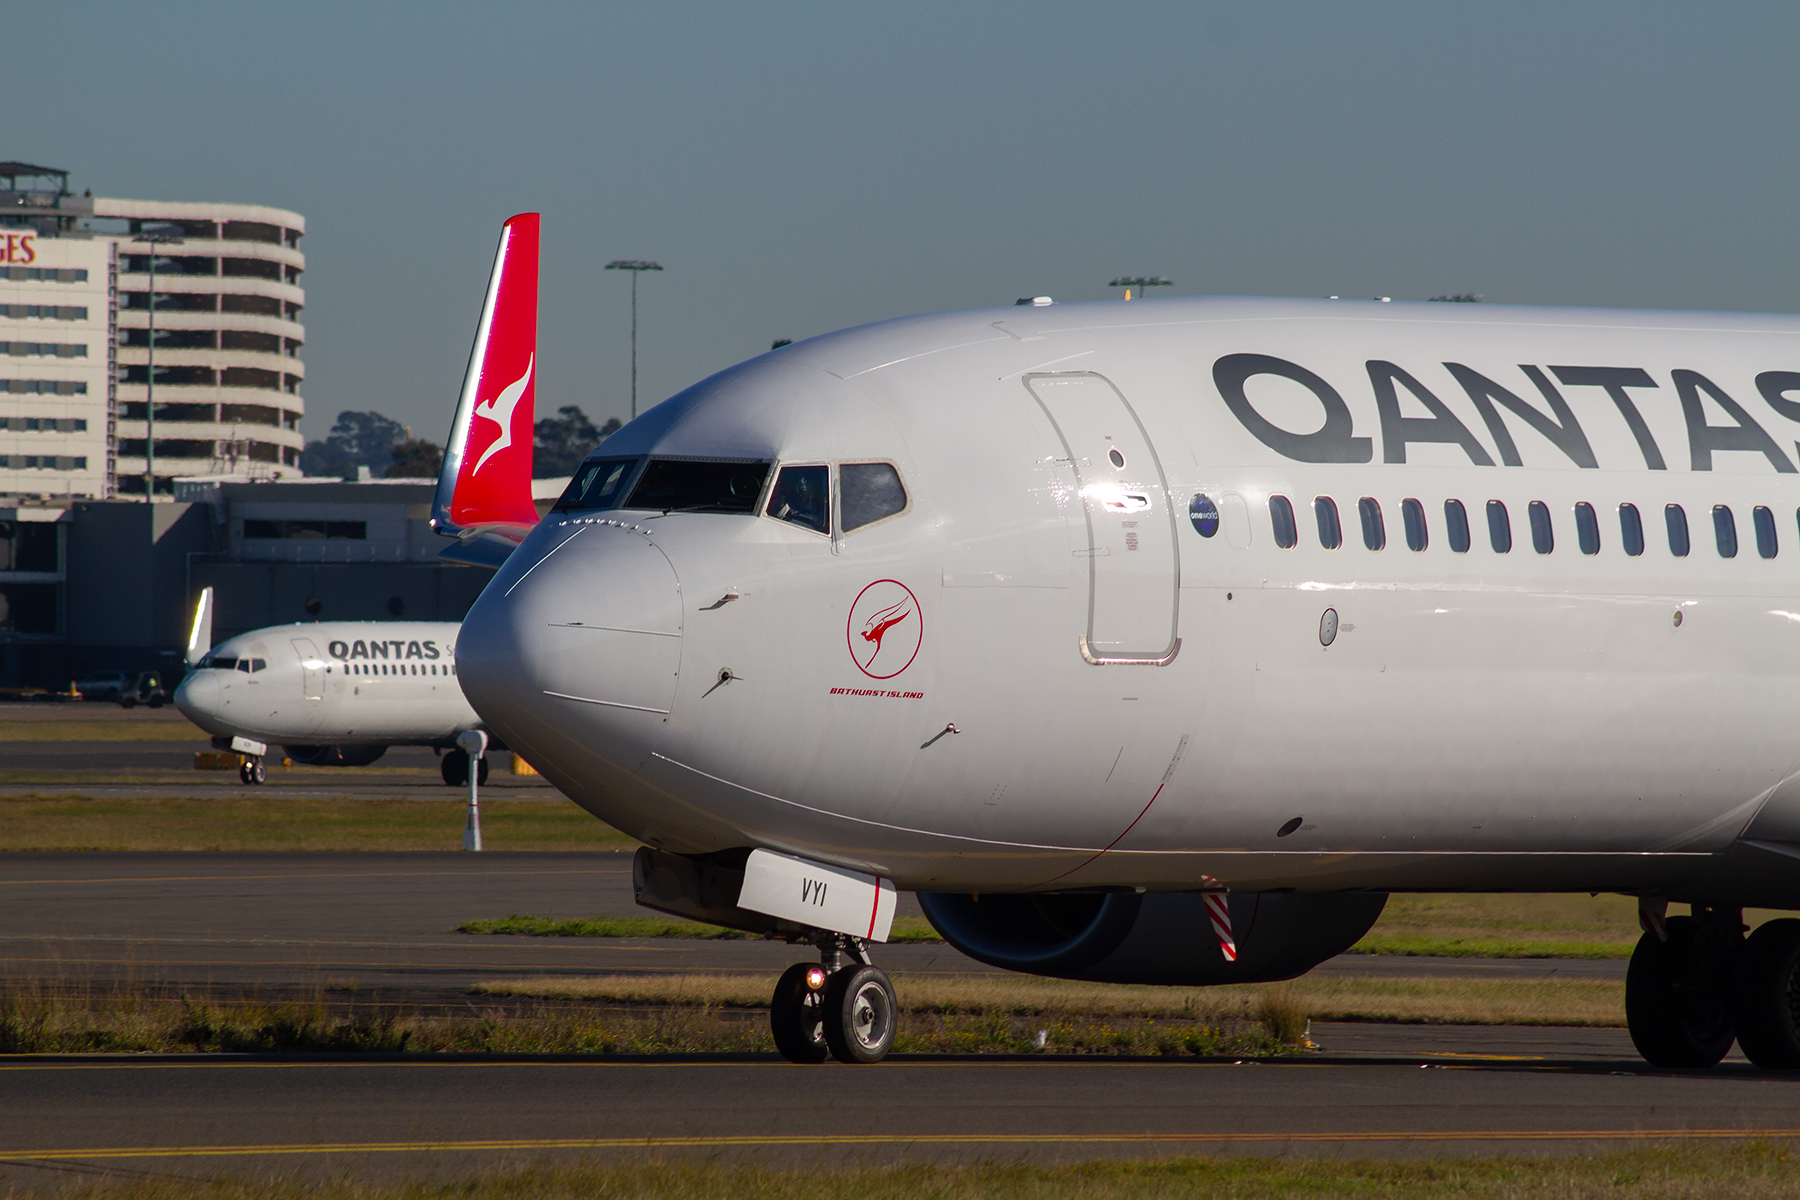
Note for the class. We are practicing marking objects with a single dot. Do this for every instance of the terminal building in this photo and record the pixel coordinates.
(86, 344)
(110, 584)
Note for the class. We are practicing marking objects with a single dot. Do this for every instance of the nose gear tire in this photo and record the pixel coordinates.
(797, 1017)
(1676, 1001)
(1765, 1006)
(861, 1014)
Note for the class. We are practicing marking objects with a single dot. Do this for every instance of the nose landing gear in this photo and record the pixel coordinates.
(842, 1007)
(251, 770)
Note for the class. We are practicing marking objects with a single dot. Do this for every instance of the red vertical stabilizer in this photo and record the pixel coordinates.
(484, 488)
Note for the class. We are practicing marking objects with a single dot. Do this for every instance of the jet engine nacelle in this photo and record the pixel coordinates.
(334, 756)
(1163, 937)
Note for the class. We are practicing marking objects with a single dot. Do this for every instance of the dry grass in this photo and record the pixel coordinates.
(122, 729)
(1453, 1000)
(128, 1019)
(269, 821)
(1753, 1171)
(1513, 925)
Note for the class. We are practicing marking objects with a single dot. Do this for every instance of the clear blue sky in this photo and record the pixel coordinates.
(800, 167)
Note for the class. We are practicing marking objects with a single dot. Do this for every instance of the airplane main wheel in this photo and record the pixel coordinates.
(797, 1014)
(861, 1015)
(1765, 999)
(252, 771)
(1676, 1003)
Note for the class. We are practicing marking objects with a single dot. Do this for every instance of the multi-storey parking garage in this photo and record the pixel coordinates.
(77, 364)
(227, 340)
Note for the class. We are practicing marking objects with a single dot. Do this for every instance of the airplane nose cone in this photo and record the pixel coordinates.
(576, 656)
(198, 697)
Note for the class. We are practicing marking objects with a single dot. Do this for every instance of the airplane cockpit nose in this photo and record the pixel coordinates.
(585, 642)
(198, 694)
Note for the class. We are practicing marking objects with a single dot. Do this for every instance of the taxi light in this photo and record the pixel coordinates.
(815, 978)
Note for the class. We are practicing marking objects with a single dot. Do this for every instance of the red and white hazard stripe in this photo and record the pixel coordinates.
(1219, 912)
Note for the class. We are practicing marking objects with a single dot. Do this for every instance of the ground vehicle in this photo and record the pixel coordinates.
(128, 688)
(105, 685)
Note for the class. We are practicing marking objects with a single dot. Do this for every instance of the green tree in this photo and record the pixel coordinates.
(358, 439)
(559, 443)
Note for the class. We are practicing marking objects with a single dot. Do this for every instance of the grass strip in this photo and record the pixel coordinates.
(1414, 946)
(115, 730)
(136, 1020)
(273, 822)
(1748, 1171)
(906, 929)
(1447, 1001)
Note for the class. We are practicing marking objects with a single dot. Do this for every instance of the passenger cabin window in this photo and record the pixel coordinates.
(1631, 529)
(597, 485)
(1456, 525)
(1331, 534)
(1725, 531)
(1676, 520)
(1281, 516)
(1412, 515)
(1373, 526)
(1764, 520)
(1543, 538)
(1499, 527)
(708, 485)
(1587, 528)
(869, 492)
(802, 496)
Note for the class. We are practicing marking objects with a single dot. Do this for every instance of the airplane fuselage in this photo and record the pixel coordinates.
(334, 682)
(1282, 594)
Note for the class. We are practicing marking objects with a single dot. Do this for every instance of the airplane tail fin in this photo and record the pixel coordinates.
(200, 636)
(484, 487)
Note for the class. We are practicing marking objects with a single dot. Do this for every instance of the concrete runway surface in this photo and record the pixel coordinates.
(289, 923)
(443, 1118)
(275, 922)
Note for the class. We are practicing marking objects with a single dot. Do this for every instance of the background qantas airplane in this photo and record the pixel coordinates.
(1203, 625)
(341, 692)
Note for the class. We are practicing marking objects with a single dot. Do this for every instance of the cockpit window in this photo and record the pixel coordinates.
(699, 485)
(598, 484)
(221, 662)
(802, 496)
(868, 492)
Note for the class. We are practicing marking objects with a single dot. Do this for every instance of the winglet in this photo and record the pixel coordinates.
(200, 636)
(485, 482)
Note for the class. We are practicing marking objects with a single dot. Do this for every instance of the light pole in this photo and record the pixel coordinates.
(157, 235)
(636, 266)
(1140, 282)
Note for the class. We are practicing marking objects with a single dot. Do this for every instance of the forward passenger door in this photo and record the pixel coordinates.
(1129, 527)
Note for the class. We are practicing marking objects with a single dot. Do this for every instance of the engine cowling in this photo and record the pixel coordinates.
(334, 756)
(1162, 937)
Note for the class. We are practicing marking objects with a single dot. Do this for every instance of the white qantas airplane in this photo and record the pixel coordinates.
(340, 693)
(1158, 642)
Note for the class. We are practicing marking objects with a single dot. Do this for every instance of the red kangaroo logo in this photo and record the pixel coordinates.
(877, 626)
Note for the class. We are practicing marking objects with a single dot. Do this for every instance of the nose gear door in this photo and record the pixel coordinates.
(1134, 568)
